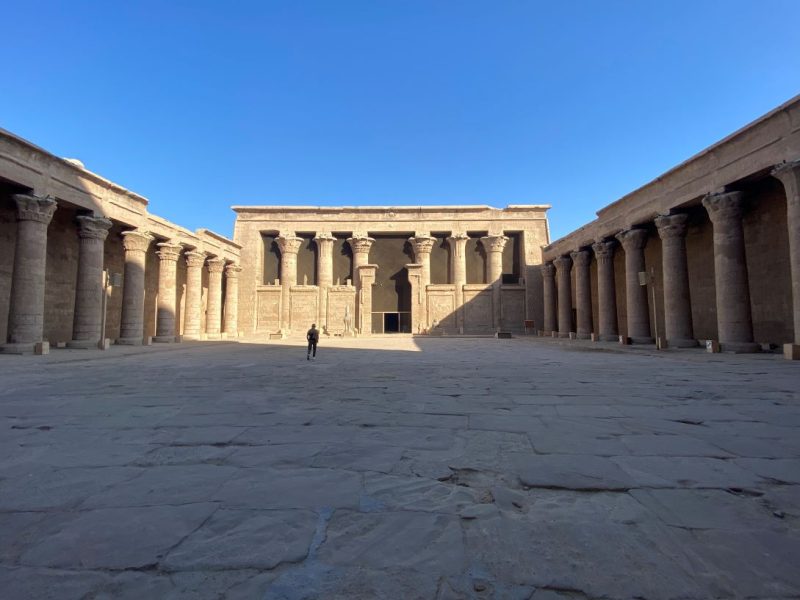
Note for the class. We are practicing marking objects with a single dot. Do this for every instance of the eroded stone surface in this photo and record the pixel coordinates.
(398, 468)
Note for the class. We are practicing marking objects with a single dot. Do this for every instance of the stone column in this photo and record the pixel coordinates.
(633, 241)
(26, 308)
(734, 319)
(168, 254)
(563, 275)
(324, 275)
(136, 244)
(677, 303)
(231, 319)
(423, 246)
(214, 309)
(606, 291)
(88, 318)
(415, 281)
(581, 260)
(458, 273)
(494, 245)
(366, 278)
(549, 289)
(289, 246)
(789, 175)
(192, 317)
(360, 245)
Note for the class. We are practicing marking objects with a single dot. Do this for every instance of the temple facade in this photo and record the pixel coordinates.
(377, 270)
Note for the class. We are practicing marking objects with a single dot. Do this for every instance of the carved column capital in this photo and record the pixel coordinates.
(604, 250)
(724, 206)
(671, 226)
(563, 263)
(215, 265)
(632, 239)
(494, 243)
(289, 244)
(324, 237)
(360, 245)
(136, 240)
(581, 258)
(195, 259)
(422, 245)
(548, 270)
(232, 271)
(169, 251)
(35, 208)
(93, 228)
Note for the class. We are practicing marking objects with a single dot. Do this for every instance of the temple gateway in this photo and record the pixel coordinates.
(362, 271)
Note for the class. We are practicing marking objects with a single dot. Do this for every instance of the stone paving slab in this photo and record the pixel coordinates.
(399, 468)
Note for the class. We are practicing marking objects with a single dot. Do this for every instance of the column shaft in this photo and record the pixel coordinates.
(289, 246)
(168, 255)
(638, 311)
(606, 291)
(789, 175)
(324, 276)
(563, 274)
(583, 293)
(192, 317)
(423, 246)
(136, 244)
(458, 273)
(678, 328)
(231, 319)
(360, 245)
(214, 309)
(88, 318)
(734, 319)
(494, 245)
(26, 307)
(549, 292)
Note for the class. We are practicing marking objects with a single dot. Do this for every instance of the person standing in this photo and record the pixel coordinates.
(313, 337)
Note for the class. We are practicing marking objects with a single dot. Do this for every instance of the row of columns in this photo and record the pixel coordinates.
(734, 319)
(361, 243)
(26, 308)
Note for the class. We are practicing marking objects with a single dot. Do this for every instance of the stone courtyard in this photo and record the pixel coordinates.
(399, 468)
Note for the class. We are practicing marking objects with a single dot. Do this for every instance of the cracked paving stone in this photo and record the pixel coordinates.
(245, 539)
(113, 538)
(417, 494)
(785, 470)
(572, 472)
(408, 540)
(682, 471)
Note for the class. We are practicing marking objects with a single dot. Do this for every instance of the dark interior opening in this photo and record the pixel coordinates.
(391, 322)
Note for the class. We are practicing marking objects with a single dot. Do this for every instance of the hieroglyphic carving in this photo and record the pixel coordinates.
(269, 309)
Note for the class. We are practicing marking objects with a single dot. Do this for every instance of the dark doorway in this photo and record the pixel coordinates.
(391, 322)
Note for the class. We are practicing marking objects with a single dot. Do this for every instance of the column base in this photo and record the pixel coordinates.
(681, 343)
(791, 351)
(563, 334)
(583, 336)
(609, 337)
(642, 340)
(164, 339)
(213, 336)
(740, 347)
(137, 341)
(191, 337)
(83, 344)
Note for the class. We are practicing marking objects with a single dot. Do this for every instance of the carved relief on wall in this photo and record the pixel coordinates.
(269, 310)
(478, 311)
(304, 308)
(513, 309)
(338, 301)
(441, 310)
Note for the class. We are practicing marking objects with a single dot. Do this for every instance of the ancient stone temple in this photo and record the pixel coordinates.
(709, 251)
(63, 228)
(375, 270)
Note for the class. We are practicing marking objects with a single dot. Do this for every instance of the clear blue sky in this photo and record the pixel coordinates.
(202, 105)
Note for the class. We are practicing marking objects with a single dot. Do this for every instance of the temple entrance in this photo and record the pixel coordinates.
(391, 294)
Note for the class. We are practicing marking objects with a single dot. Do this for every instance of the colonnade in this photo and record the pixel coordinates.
(28, 283)
(733, 307)
(360, 245)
